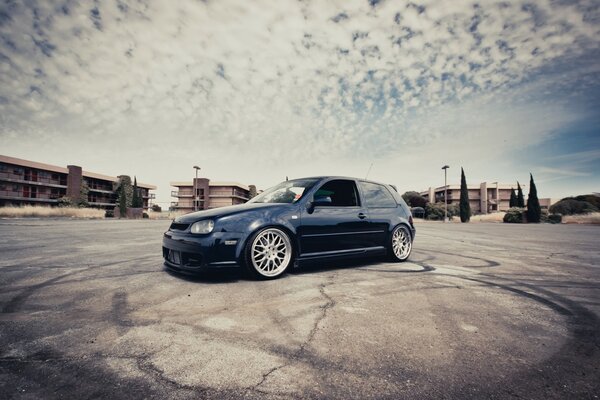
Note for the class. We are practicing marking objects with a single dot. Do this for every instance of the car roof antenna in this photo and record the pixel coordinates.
(369, 171)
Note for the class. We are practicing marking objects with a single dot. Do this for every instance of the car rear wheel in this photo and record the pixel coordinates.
(400, 244)
(269, 253)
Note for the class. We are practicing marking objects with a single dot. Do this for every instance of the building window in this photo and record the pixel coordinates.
(18, 171)
(55, 177)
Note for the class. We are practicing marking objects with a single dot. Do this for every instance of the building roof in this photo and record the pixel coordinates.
(211, 183)
(32, 164)
(62, 170)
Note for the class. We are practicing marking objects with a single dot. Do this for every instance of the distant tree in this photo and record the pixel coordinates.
(252, 191)
(534, 211)
(570, 206)
(513, 198)
(83, 195)
(125, 188)
(414, 199)
(122, 201)
(520, 198)
(136, 199)
(465, 207)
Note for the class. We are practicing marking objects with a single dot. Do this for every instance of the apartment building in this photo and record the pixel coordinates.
(484, 198)
(24, 182)
(202, 194)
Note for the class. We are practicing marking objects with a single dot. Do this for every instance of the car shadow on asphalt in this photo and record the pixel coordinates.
(235, 274)
(215, 275)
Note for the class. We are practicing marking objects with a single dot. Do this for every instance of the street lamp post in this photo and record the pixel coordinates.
(196, 198)
(445, 168)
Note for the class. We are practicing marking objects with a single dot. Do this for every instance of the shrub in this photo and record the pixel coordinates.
(514, 215)
(65, 202)
(555, 218)
(572, 206)
(156, 208)
(109, 214)
(435, 212)
(145, 215)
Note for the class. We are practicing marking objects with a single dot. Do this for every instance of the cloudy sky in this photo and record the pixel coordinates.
(253, 91)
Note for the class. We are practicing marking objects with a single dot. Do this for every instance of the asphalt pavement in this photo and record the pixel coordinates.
(87, 310)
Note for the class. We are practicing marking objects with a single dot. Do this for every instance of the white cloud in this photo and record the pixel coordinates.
(283, 79)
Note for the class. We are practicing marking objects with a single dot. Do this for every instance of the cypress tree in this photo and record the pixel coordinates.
(513, 198)
(534, 211)
(136, 199)
(520, 198)
(465, 207)
(122, 202)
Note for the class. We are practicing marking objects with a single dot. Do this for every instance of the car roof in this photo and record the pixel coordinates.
(340, 177)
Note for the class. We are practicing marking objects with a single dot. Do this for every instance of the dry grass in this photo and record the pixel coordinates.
(51, 212)
(164, 214)
(493, 217)
(592, 218)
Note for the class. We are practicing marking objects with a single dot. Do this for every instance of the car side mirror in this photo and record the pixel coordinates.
(310, 207)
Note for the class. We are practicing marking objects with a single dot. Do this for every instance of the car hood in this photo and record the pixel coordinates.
(223, 211)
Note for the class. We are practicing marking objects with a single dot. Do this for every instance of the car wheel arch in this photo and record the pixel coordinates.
(251, 234)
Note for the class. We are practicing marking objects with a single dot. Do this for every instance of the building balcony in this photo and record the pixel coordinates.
(181, 194)
(150, 196)
(17, 197)
(40, 182)
(101, 204)
(228, 196)
(100, 190)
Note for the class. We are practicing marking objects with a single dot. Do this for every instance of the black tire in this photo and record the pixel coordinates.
(268, 253)
(400, 244)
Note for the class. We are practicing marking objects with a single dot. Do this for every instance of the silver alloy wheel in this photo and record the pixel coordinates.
(271, 252)
(401, 243)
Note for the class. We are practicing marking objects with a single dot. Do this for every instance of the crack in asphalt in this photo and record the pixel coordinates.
(300, 353)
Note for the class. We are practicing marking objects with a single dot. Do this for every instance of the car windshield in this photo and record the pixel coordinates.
(286, 192)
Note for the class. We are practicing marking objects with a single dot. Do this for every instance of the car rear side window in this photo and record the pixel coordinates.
(343, 193)
(377, 196)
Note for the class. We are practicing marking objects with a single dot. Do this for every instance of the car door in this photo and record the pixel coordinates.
(338, 227)
(381, 206)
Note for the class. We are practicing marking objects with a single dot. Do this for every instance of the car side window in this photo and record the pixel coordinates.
(377, 196)
(343, 193)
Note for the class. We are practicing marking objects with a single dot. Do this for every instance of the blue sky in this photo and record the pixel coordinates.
(255, 91)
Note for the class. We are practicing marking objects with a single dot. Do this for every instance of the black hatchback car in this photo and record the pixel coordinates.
(297, 220)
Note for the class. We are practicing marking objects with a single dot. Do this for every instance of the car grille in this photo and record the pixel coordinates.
(178, 227)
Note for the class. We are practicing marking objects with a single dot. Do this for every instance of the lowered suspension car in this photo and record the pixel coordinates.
(295, 221)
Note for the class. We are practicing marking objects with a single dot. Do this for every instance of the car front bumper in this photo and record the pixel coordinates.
(190, 253)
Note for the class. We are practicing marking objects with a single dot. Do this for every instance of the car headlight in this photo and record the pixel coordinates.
(204, 226)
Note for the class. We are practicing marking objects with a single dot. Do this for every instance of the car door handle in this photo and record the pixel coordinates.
(362, 216)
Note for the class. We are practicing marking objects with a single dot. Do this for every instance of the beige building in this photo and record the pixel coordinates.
(484, 198)
(202, 194)
(24, 182)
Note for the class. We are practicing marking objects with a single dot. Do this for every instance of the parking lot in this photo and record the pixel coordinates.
(482, 310)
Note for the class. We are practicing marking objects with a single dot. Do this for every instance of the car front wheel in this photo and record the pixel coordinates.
(401, 244)
(268, 253)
